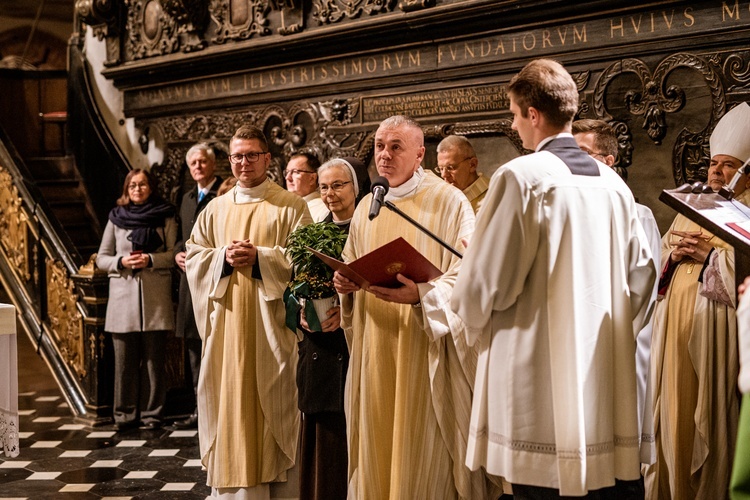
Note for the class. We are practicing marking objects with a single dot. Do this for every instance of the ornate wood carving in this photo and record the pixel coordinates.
(101, 15)
(654, 99)
(292, 16)
(66, 322)
(13, 226)
(412, 5)
(191, 17)
(150, 32)
(239, 19)
(333, 11)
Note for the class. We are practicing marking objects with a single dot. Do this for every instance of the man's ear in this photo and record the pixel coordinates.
(473, 164)
(609, 160)
(534, 115)
(420, 155)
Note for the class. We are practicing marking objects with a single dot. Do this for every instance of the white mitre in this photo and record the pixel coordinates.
(732, 134)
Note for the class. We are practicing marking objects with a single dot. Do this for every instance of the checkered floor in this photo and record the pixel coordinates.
(62, 458)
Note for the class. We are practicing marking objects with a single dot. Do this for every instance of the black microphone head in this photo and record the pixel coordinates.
(382, 182)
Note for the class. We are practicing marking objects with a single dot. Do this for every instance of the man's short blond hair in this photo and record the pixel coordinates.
(546, 86)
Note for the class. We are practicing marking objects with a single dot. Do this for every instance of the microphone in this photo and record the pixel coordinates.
(379, 189)
(728, 190)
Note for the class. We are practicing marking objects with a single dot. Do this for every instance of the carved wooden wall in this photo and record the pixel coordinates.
(320, 75)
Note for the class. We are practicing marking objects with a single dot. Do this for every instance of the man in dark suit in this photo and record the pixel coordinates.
(201, 162)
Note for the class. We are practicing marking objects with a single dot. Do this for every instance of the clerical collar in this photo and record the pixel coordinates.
(550, 139)
(407, 187)
(252, 194)
(342, 222)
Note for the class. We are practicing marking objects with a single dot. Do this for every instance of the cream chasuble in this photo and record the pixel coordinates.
(247, 397)
(410, 374)
(476, 191)
(694, 372)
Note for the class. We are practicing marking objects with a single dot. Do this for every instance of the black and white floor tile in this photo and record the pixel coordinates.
(62, 458)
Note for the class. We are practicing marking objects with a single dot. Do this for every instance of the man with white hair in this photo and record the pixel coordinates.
(410, 371)
(457, 165)
(694, 347)
(201, 162)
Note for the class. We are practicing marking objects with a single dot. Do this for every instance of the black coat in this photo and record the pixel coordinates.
(321, 371)
(189, 209)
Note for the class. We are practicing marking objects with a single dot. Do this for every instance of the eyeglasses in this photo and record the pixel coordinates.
(297, 172)
(450, 168)
(251, 157)
(336, 187)
(593, 153)
(133, 187)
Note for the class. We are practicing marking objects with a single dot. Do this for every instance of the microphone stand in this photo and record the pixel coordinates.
(727, 191)
(394, 208)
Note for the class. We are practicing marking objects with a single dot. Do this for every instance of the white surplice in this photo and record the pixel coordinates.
(554, 286)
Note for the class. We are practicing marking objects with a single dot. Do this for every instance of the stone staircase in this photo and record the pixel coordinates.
(66, 195)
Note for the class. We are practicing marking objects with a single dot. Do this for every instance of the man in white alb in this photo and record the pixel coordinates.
(554, 286)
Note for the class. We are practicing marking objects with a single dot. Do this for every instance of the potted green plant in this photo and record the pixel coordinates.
(312, 282)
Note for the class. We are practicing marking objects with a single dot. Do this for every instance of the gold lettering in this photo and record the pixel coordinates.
(387, 61)
(440, 54)
(562, 34)
(614, 27)
(283, 77)
(670, 20)
(468, 51)
(580, 36)
(226, 85)
(272, 78)
(485, 48)
(689, 17)
(336, 71)
(653, 27)
(636, 27)
(414, 58)
(323, 72)
(734, 12)
(357, 66)
(303, 75)
(545, 39)
(371, 65)
(400, 58)
(453, 53)
(533, 41)
(244, 82)
(500, 47)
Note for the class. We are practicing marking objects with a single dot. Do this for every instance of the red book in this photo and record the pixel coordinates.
(379, 267)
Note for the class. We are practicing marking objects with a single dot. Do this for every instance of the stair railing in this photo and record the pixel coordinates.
(58, 297)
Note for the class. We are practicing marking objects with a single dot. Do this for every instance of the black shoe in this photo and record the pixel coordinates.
(190, 422)
(126, 426)
(151, 425)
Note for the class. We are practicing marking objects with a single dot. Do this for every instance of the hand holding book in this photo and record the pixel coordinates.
(380, 267)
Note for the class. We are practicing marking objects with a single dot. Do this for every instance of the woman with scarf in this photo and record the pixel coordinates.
(324, 356)
(136, 251)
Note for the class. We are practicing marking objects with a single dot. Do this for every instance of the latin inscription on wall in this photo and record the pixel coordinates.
(441, 102)
(651, 26)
